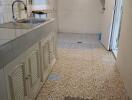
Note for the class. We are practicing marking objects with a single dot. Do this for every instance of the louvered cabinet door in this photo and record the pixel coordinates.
(34, 72)
(54, 40)
(45, 54)
(55, 44)
(16, 83)
(52, 50)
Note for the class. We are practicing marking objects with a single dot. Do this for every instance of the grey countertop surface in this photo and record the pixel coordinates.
(23, 24)
(16, 25)
(12, 49)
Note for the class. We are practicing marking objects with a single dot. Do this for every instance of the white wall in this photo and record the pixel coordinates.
(107, 22)
(79, 16)
(124, 60)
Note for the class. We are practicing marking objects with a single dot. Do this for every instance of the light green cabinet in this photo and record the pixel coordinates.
(45, 59)
(28, 72)
(23, 75)
(47, 56)
(16, 83)
(33, 71)
(52, 49)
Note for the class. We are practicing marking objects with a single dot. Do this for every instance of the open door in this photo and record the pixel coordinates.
(116, 26)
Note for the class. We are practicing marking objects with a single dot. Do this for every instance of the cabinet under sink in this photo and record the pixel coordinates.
(25, 74)
(28, 72)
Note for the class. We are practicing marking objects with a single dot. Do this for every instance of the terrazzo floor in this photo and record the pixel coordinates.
(83, 71)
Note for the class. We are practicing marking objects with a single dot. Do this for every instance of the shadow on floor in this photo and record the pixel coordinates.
(75, 98)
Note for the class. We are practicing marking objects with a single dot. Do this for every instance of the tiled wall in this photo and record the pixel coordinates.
(6, 11)
(6, 16)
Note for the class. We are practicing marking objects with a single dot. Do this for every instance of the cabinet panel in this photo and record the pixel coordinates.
(23, 80)
(34, 67)
(46, 56)
(33, 73)
(16, 83)
(52, 50)
(3, 94)
(45, 59)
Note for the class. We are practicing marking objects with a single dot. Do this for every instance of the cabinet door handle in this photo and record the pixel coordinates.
(36, 52)
(27, 77)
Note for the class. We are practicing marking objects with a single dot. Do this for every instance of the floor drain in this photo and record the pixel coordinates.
(54, 77)
(79, 42)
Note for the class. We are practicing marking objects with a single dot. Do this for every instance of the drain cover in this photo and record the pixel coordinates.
(79, 42)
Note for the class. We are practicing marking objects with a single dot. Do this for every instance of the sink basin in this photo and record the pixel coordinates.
(23, 24)
(33, 21)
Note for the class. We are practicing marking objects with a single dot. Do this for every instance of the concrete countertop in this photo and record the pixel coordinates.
(13, 48)
(23, 23)
(16, 25)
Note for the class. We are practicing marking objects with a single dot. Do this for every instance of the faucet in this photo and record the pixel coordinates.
(25, 8)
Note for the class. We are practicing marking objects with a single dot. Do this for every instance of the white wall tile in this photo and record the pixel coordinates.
(6, 11)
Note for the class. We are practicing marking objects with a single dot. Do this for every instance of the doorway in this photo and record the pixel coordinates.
(116, 26)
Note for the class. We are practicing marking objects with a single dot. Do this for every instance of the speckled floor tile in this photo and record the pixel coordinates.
(72, 41)
(87, 73)
(84, 74)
